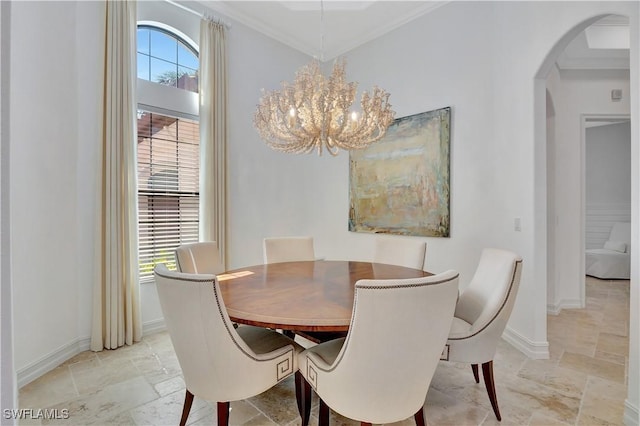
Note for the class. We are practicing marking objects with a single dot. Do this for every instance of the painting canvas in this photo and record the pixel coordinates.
(400, 184)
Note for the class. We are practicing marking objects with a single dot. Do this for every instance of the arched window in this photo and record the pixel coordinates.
(166, 58)
(168, 147)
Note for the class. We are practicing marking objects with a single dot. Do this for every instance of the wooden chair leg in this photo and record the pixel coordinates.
(474, 367)
(188, 400)
(303, 398)
(419, 417)
(487, 373)
(223, 413)
(323, 414)
(299, 396)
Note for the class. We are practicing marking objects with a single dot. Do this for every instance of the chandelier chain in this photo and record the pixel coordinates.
(322, 30)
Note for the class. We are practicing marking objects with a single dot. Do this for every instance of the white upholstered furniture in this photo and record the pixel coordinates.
(481, 315)
(400, 251)
(199, 258)
(378, 374)
(219, 363)
(613, 261)
(288, 249)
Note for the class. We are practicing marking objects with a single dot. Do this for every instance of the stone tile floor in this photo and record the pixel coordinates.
(583, 382)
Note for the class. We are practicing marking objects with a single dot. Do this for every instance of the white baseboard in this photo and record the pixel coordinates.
(631, 416)
(553, 309)
(533, 350)
(63, 353)
(52, 360)
(564, 304)
(154, 326)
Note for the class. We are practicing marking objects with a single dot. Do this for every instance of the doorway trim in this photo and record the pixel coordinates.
(584, 119)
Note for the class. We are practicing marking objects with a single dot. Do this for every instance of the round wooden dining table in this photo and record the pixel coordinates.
(315, 296)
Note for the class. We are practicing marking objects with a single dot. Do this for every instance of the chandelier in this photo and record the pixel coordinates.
(314, 113)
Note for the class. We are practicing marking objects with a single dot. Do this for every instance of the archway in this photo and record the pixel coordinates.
(545, 225)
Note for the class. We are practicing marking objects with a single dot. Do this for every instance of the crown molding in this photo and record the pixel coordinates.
(384, 29)
(311, 49)
(593, 64)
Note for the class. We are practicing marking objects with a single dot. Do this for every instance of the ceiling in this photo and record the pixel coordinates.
(331, 28)
(327, 32)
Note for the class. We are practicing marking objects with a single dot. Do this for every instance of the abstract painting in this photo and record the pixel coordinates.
(400, 184)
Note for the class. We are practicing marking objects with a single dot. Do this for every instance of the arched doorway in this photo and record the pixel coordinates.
(565, 272)
(548, 259)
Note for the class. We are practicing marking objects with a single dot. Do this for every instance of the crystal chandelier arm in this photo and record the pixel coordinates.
(376, 117)
(282, 126)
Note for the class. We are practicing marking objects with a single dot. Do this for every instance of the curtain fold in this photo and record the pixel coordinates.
(116, 296)
(213, 134)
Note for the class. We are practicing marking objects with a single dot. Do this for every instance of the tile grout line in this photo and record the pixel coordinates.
(73, 381)
(261, 412)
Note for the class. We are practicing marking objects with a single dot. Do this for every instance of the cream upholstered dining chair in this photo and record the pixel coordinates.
(481, 316)
(376, 374)
(219, 363)
(199, 258)
(288, 249)
(400, 251)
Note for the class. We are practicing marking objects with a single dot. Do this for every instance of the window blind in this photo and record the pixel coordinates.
(168, 192)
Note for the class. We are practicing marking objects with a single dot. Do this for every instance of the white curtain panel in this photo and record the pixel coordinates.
(213, 134)
(116, 296)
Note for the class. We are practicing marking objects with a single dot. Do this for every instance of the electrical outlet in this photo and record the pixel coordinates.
(616, 95)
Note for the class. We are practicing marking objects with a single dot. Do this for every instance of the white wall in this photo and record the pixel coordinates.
(89, 44)
(8, 381)
(608, 165)
(632, 404)
(44, 151)
(607, 180)
(553, 80)
(270, 193)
